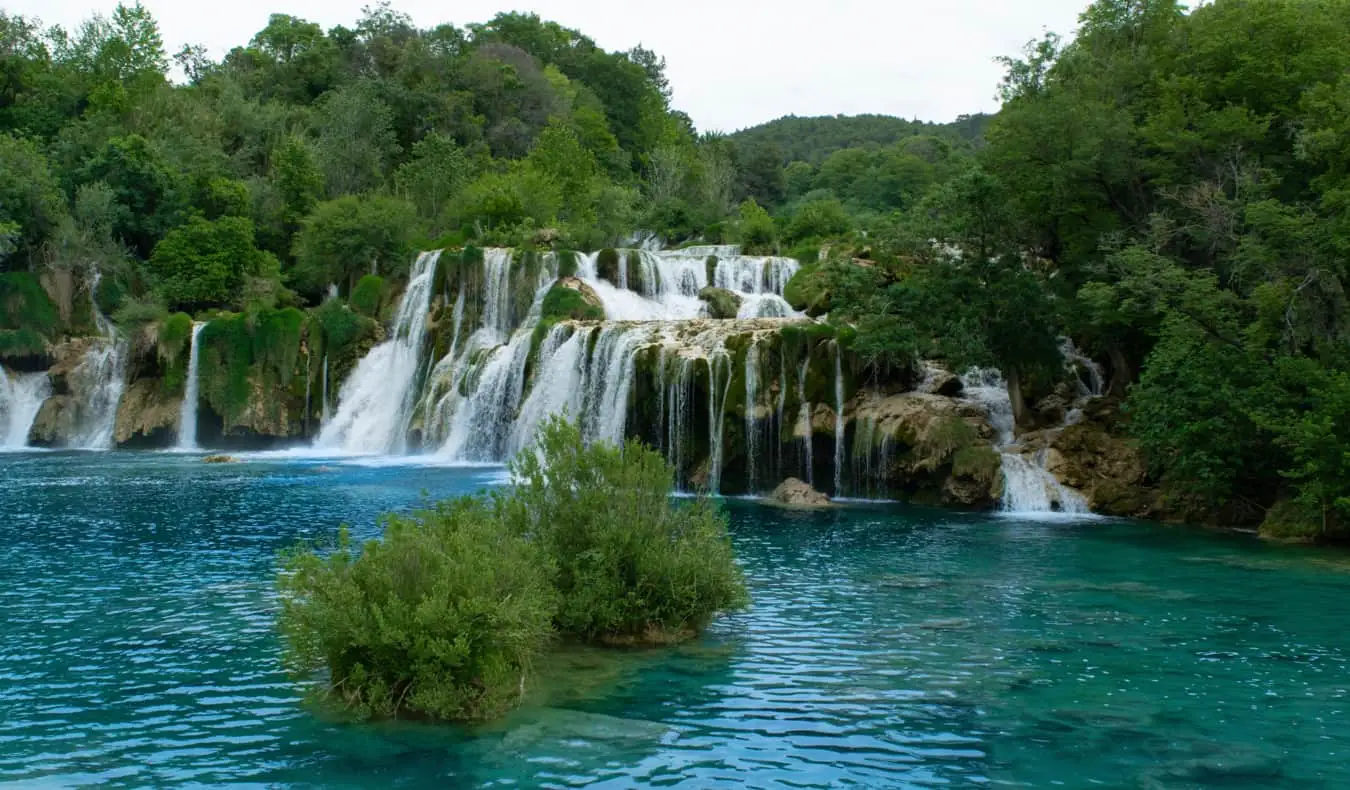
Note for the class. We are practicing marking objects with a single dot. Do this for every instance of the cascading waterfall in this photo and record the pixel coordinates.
(99, 380)
(668, 283)
(804, 424)
(838, 421)
(1028, 487)
(718, 362)
(21, 398)
(374, 404)
(751, 401)
(187, 413)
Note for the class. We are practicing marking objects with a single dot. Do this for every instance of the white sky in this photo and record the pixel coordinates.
(731, 63)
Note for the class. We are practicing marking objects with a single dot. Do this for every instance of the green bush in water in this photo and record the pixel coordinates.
(633, 566)
(367, 297)
(442, 618)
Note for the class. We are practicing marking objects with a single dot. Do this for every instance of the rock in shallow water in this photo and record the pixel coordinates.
(796, 493)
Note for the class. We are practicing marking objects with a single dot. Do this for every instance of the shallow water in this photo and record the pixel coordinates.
(886, 647)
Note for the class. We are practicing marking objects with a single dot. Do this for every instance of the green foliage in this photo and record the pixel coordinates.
(24, 305)
(436, 171)
(755, 228)
(818, 219)
(441, 618)
(351, 236)
(721, 302)
(205, 262)
(31, 204)
(368, 297)
(608, 263)
(631, 564)
(444, 616)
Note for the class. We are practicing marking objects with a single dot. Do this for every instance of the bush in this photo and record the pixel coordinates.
(563, 304)
(444, 616)
(756, 229)
(441, 618)
(25, 305)
(632, 565)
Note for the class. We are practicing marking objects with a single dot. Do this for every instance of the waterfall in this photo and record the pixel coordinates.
(475, 393)
(838, 421)
(323, 397)
(681, 408)
(804, 423)
(1028, 487)
(1077, 365)
(374, 404)
(668, 283)
(187, 413)
(751, 399)
(99, 380)
(717, 412)
(21, 397)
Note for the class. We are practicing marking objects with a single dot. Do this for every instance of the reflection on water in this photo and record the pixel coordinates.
(886, 647)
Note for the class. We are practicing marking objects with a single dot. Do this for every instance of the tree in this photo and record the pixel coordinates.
(31, 204)
(204, 262)
(346, 238)
(356, 143)
(437, 170)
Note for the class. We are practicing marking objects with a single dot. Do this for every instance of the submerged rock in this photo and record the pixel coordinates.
(220, 459)
(797, 493)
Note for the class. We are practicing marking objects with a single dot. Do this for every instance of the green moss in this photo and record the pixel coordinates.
(607, 265)
(977, 462)
(809, 290)
(25, 305)
(721, 302)
(635, 279)
(1294, 521)
(368, 297)
(15, 343)
(227, 354)
(175, 335)
(561, 304)
(711, 265)
(567, 263)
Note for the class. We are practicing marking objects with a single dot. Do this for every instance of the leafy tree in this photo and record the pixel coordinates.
(356, 145)
(437, 169)
(352, 236)
(205, 262)
(31, 204)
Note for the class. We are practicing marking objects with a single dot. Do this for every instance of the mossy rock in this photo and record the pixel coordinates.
(1292, 521)
(809, 290)
(220, 459)
(571, 300)
(721, 302)
(607, 265)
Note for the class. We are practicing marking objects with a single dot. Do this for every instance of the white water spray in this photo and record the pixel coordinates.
(374, 404)
(99, 380)
(21, 398)
(187, 413)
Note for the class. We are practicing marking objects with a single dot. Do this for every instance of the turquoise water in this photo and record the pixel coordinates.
(886, 647)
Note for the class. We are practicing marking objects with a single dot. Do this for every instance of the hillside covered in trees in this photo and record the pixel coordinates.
(1169, 188)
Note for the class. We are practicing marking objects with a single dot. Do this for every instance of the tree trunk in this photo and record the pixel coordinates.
(1021, 417)
(1121, 372)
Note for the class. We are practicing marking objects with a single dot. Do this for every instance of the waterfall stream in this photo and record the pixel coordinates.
(375, 401)
(1028, 487)
(187, 414)
(21, 398)
(98, 381)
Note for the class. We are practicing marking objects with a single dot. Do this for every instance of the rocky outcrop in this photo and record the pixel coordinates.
(721, 303)
(58, 420)
(146, 417)
(588, 294)
(796, 493)
(1094, 457)
(934, 448)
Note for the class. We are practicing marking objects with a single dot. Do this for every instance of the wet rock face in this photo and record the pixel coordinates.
(146, 417)
(1093, 457)
(796, 493)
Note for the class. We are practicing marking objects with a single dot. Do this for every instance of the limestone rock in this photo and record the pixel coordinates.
(588, 293)
(796, 493)
(938, 380)
(146, 416)
(722, 304)
(56, 422)
(220, 459)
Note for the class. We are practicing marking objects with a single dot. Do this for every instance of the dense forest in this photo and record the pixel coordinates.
(1170, 188)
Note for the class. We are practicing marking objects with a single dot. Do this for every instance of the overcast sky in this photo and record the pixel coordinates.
(731, 63)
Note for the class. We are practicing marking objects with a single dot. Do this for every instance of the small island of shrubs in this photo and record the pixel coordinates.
(444, 616)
